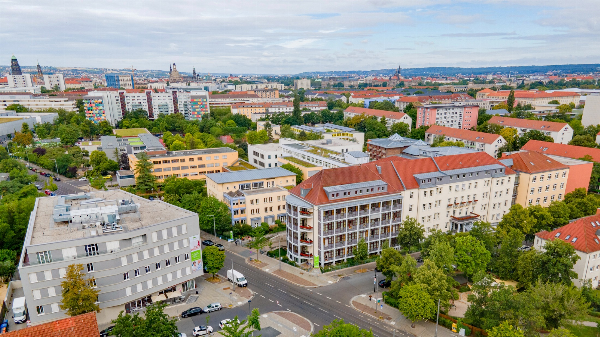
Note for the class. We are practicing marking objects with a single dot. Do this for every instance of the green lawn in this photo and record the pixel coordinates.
(9, 119)
(130, 132)
(583, 331)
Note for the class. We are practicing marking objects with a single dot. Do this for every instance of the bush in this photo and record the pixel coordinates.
(389, 300)
(446, 323)
(463, 289)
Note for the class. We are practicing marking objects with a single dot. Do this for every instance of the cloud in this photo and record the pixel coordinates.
(297, 43)
(478, 34)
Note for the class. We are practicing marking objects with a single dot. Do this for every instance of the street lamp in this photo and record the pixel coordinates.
(249, 312)
(214, 225)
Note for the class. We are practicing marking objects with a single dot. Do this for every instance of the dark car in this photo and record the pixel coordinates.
(384, 283)
(107, 332)
(192, 312)
(56, 179)
(208, 243)
(220, 246)
(47, 175)
(30, 168)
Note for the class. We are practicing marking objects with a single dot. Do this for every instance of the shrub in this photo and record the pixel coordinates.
(463, 289)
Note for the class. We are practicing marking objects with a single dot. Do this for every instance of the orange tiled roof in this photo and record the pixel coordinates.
(562, 150)
(473, 136)
(376, 112)
(582, 234)
(533, 162)
(79, 326)
(527, 123)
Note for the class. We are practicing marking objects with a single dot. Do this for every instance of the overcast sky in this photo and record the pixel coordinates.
(287, 37)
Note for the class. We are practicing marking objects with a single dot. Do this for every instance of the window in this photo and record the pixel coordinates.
(154, 237)
(146, 254)
(126, 276)
(136, 272)
(186, 256)
(177, 259)
(532, 190)
(44, 257)
(123, 260)
(541, 178)
(92, 283)
(91, 250)
(54, 307)
(562, 186)
(533, 179)
(545, 200)
(90, 267)
(537, 201)
(147, 269)
(167, 263)
(157, 266)
(564, 174)
(560, 197)
(547, 188)
(137, 241)
(36, 294)
(40, 310)
(554, 187)
(134, 257)
(128, 291)
(166, 248)
(62, 272)
(540, 189)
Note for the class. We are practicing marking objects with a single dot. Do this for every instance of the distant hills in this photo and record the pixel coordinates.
(452, 71)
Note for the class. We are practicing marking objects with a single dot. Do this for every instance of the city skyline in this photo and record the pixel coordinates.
(269, 37)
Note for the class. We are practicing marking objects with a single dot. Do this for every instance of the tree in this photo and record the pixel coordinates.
(533, 135)
(361, 251)
(557, 261)
(442, 255)
(23, 139)
(401, 129)
(491, 301)
(339, 328)
(144, 179)
(435, 282)
(561, 332)
(257, 137)
(68, 134)
(79, 294)
(471, 255)
(214, 259)
(583, 140)
(404, 273)
(154, 323)
(505, 330)
(7, 264)
(411, 233)
(484, 232)
(504, 263)
(177, 146)
(259, 240)
(294, 169)
(528, 268)
(389, 257)
(558, 303)
(517, 218)
(415, 303)
(510, 101)
(206, 208)
(97, 158)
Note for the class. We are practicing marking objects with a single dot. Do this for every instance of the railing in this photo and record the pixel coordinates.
(328, 258)
(328, 217)
(394, 233)
(384, 235)
(34, 262)
(306, 212)
(375, 209)
(375, 223)
(397, 206)
(351, 254)
(364, 225)
(385, 221)
(327, 233)
(306, 227)
(340, 230)
(397, 220)
(352, 214)
(327, 247)
(295, 227)
(363, 212)
(307, 242)
(306, 255)
(386, 208)
(340, 216)
(351, 242)
(340, 244)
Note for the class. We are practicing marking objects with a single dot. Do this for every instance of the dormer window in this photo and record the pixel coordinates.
(568, 237)
(574, 239)
(557, 235)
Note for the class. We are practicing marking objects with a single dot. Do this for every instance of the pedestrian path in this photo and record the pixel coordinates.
(390, 316)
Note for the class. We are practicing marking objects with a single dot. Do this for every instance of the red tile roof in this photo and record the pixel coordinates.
(562, 150)
(3, 79)
(527, 123)
(376, 112)
(586, 233)
(406, 168)
(79, 326)
(473, 136)
(533, 162)
(532, 94)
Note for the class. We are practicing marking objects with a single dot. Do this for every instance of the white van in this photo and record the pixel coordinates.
(19, 310)
(237, 278)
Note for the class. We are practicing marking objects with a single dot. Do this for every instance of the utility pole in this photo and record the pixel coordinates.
(214, 226)
(437, 320)
(279, 252)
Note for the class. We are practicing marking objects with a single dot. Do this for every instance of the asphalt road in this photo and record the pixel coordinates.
(65, 185)
(320, 305)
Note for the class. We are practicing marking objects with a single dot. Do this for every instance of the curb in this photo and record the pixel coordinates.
(312, 327)
(283, 278)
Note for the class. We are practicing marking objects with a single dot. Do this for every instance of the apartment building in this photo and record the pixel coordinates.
(253, 196)
(391, 117)
(302, 84)
(199, 105)
(191, 164)
(455, 115)
(533, 97)
(258, 86)
(394, 145)
(54, 80)
(103, 106)
(232, 98)
(328, 213)
(561, 132)
(403, 102)
(144, 142)
(132, 250)
(331, 131)
(157, 103)
(264, 155)
(257, 110)
(36, 103)
(328, 153)
(480, 141)
(76, 83)
(582, 235)
(265, 93)
(541, 180)
(19, 81)
(119, 81)
(11, 122)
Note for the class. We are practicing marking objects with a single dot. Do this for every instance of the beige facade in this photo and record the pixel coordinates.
(308, 169)
(541, 188)
(191, 164)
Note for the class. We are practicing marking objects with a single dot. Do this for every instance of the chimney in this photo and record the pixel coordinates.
(378, 169)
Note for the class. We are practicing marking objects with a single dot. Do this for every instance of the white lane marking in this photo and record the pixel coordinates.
(271, 300)
(319, 294)
(262, 296)
(316, 324)
(328, 297)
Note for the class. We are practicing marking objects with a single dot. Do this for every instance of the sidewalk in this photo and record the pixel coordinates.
(393, 317)
(283, 324)
(208, 292)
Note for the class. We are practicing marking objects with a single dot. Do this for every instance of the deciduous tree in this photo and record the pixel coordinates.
(411, 233)
(361, 251)
(471, 255)
(389, 257)
(79, 295)
(214, 259)
(154, 323)
(415, 303)
(339, 328)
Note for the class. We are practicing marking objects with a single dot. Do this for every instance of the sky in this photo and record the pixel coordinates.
(289, 37)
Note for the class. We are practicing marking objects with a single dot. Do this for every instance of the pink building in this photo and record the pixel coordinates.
(455, 115)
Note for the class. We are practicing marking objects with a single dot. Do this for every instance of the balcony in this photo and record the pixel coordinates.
(385, 221)
(351, 242)
(352, 214)
(306, 212)
(340, 216)
(364, 225)
(397, 220)
(328, 218)
(397, 206)
(386, 208)
(394, 234)
(308, 242)
(306, 254)
(375, 209)
(327, 247)
(364, 212)
(340, 244)
(306, 227)
(340, 230)
(384, 236)
(327, 233)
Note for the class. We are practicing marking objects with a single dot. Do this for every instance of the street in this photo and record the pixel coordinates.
(320, 305)
(65, 185)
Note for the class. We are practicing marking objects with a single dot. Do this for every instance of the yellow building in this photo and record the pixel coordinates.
(191, 164)
(253, 196)
(541, 180)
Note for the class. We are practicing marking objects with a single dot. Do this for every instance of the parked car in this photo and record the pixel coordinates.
(38, 187)
(384, 283)
(192, 312)
(48, 192)
(225, 322)
(212, 307)
(56, 179)
(107, 332)
(30, 168)
(524, 248)
(47, 175)
(83, 179)
(202, 330)
(42, 173)
(181, 334)
(107, 177)
(220, 246)
(208, 243)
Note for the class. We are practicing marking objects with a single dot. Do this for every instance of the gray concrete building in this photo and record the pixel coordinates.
(134, 249)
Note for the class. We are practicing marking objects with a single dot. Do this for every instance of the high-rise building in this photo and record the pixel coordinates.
(54, 81)
(15, 68)
(19, 81)
(302, 84)
(119, 81)
(198, 105)
(103, 106)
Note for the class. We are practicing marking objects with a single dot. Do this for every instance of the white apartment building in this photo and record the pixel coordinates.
(50, 81)
(332, 131)
(259, 86)
(36, 103)
(391, 117)
(103, 106)
(480, 141)
(19, 81)
(329, 212)
(301, 84)
(132, 250)
(327, 153)
(264, 155)
(156, 103)
(561, 132)
(584, 235)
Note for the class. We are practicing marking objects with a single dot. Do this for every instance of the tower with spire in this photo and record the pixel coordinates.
(39, 71)
(15, 68)
(194, 76)
(174, 75)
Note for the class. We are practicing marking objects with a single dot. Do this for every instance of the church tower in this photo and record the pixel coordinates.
(39, 70)
(15, 69)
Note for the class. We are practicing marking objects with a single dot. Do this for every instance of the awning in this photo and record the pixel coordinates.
(174, 294)
(157, 298)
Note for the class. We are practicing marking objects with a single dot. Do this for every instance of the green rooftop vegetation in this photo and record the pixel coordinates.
(289, 187)
(236, 168)
(299, 161)
(241, 165)
(321, 151)
(9, 119)
(136, 143)
(129, 132)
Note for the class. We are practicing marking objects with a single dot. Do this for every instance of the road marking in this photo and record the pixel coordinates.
(319, 294)
(316, 324)
(262, 296)
(339, 302)
(328, 297)
(348, 306)
(271, 300)
(283, 291)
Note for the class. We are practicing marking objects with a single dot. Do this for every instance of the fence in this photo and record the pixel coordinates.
(474, 329)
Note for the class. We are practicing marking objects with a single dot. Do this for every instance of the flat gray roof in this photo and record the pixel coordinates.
(230, 177)
(150, 141)
(192, 152)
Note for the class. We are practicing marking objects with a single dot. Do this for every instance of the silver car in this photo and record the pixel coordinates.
(213, 307)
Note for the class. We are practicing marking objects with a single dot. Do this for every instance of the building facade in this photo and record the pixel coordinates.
(131, 249)
(264, 155)
(199, 105)
(55, 80)
(191, 164)
(330, 212)
(36, 103)
(395, 145)
(253, 196)
(119, 81)
(302, 84)
(561, 132)
(19, 81)
(480, 141)
(455, 115)
(103, 106)
(391, 117)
